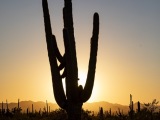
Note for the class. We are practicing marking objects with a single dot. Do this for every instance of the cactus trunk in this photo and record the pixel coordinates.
(75, 95)
(74, 111)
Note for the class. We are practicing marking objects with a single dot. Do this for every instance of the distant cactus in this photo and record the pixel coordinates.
(131, 112)
(2, 108)
(110, 112)
(19, 108)
(131, 103)
(47, 106)
(18, 104)
(75, 95)
(27, 111)
(7, 106)
(139, 107)
(119, 113)
(32, 109)
(101, 114)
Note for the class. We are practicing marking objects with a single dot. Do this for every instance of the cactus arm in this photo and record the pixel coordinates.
(56, 79)
(86, 93)
(68, 24)
(62, 63)
(70, 85)
(57, 52)
(60, 58)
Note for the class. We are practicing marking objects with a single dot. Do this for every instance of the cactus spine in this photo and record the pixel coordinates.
(75, 95)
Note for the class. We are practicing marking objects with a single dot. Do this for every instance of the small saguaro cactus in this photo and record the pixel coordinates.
(7, 106)
(131, 107)
(101, 114)
(47, 106)
(131, 103)
(75, 95)
(27, 111)
(2, 108)
(18, 107)
(32, 109)
(139, 107)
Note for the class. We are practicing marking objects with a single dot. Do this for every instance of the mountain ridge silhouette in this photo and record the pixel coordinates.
(92, 106)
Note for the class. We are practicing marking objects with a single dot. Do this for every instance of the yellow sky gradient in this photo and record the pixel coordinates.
(128, 51)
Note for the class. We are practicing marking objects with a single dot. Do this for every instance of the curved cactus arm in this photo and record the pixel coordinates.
(60, 58)
(86, 93)
(56, 79)
(57, 52)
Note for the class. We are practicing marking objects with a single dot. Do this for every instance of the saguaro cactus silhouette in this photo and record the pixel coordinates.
(75, 95)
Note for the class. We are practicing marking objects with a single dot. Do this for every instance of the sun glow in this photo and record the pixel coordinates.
(82, 78)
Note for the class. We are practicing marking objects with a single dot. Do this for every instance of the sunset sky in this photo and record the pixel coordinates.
(128, 53)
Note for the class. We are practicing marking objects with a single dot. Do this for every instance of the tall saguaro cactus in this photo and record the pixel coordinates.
(75, 95)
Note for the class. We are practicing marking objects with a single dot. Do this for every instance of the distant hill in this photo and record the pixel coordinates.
(106, 106)
(86, 106)
(28, 104)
